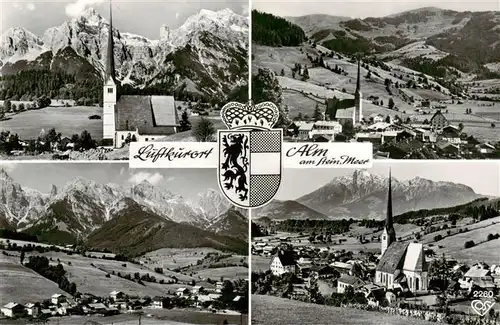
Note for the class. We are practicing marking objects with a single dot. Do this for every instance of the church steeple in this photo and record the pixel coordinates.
(389, 234)
(358, 98)
(110, 63)
(358, 82)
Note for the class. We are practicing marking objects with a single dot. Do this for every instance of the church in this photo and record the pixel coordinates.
(347, 110)
(143, 118)
(402, 265)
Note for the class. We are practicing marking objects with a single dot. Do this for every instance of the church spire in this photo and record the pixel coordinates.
(358, 80)
(389, 225)
(110, 64)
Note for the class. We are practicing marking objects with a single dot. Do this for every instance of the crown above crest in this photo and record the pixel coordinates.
(237, 115)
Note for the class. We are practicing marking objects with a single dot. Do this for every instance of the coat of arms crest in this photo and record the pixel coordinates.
(250, 154)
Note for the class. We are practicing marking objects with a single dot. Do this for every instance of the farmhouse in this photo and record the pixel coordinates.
(182, 292)
(116, 295)
(402, 264)
(438, 121)
(348, 281)
(159, 302)
(32, 309)
(58, 298)
(143, 118)
(283, 263)
(13, 309)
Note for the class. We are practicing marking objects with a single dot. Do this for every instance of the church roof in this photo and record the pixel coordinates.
(415, 259)
(393, 258)
(145, 113)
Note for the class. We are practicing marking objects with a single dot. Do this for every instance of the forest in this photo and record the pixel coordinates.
(270, 30)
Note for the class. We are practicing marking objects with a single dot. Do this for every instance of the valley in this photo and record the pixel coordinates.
(411, 74)
(87, 240)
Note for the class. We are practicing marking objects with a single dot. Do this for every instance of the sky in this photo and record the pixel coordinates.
(483, 177)
(366, 8)
(41, 176)
(139, 17)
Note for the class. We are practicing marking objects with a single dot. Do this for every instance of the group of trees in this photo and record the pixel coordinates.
(30, 85)
(321, 225)
(41, 265)
(46, 142)
(268, 29)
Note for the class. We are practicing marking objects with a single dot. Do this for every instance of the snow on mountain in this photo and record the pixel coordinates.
(210, 49)
(364, 195)
(83, 205)
(18, 43)
(20, 206)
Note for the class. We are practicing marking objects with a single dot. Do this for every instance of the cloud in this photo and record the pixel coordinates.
(245, 10)
(170, 179)
(30, 6)
(122, 171)
(8, 166)
(76, 8)
(177, 15)
(153, 179)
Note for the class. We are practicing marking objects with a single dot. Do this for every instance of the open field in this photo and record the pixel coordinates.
(14, 279)
(232, 272)
(260, 263)
(66, 120)
(267, 310)
(172, 258)
(150, 317)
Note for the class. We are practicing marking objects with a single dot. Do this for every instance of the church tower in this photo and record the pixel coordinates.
(110, 86)
(358, 98)
(389, 234)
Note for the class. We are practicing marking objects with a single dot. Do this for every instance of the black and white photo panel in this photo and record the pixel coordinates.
(81, 79)
(99, 243)
(418, 79)
(399, 243)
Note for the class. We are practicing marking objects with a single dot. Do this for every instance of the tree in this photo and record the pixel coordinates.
(43, 102)
(348, 129)
(86, 142)
(184, 123)
(204, 131)
(282, 72)
(7, 104)
(305, 74)
(391, 103)
(22, 257)
(317, 115)
(21, 107)
(460, 126)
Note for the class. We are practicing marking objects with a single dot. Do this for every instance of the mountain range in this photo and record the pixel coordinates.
(472, 38)
(208, 54)
(362, 195)
(85, 209)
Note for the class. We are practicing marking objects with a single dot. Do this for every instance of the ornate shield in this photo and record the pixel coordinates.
(250, 154)
(250, 165)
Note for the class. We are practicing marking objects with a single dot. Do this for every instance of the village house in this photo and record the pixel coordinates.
(451, 134)
(32, 309)
(282, 263)
(13, 309)
(57, 298)
(485, 148)
(182, 292)
(117, 296)
(376, 118)
(159, 302)
(197, 290)
(348, 281)
(478, 275)
(438, 121)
